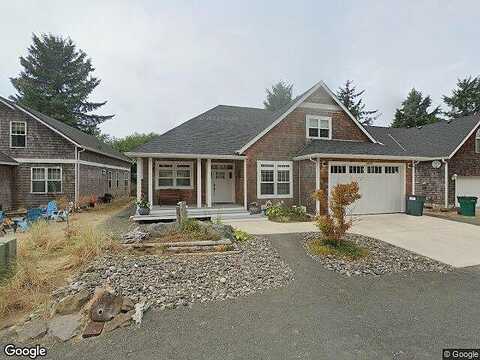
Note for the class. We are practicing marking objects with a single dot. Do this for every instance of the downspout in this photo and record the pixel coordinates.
(446, 183)
(414, 163)
(77, 174)
(299, 196)
(317, 182)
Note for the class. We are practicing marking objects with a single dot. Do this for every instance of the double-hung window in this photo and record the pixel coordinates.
(274, 179)
(477, 142)
(46, 180)
(18, 134)
(126, 174)
(109, 179)
(319, 127)
(174, 175)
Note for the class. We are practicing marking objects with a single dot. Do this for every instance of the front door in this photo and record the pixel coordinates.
(222, 185)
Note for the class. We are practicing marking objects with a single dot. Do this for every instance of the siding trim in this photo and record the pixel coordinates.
(464, 140)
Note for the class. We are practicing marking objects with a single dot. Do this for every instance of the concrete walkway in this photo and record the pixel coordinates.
(450, 242)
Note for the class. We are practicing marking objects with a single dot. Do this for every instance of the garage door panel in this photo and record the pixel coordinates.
(381, 192)
(468, 186)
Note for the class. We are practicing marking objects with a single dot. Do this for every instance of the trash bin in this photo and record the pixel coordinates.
(467, 205)
(415, 205)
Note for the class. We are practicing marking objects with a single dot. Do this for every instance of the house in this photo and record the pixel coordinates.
(42, 159)
(232, 156)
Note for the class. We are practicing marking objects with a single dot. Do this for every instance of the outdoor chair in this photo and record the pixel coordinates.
(52, 212)
(33, 215)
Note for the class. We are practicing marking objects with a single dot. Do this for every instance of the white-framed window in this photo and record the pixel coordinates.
(319, 127)
(392, 169)
(126, 180)
(109, 179)
(18, 134)
(374, 169)
(338, 169)
(274, 179)
(477, 142)
(356, 169)
(46, 180)
(173, 175)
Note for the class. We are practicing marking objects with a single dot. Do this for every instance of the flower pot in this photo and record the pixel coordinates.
(143, 211)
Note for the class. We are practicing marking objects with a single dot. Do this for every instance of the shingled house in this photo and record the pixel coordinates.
(231, 156)
(42, 159)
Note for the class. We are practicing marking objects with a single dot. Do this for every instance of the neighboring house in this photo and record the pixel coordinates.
(239, 155)
(42, 159)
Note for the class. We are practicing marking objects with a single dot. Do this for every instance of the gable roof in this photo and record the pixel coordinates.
(6, 160)
(433, 141)
(75, 136)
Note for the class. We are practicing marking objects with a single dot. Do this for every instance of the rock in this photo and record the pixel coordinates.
(32, 330)
(222, 280)
(140, 308)
(72, 303)
(93, 328)
(127, 304)
(134, 236)
(120, 320)
(106, 307)
(64, 327)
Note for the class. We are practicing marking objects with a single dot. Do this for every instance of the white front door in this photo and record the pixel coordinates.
(222, 186)
(382, 186)
(468, 186)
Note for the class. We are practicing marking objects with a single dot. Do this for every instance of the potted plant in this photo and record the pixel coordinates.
(143, 207)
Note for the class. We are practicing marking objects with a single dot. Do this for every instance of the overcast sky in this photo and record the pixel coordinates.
(163, 62)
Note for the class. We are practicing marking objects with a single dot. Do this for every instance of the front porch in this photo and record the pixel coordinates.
(212, 187)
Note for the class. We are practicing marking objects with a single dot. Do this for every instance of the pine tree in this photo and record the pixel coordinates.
(353, 101)
(465, 99)
(56, 80)
(414, 111)
(279, 96)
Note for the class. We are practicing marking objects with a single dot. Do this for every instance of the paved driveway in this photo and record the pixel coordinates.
(319, 315)
(450, 242)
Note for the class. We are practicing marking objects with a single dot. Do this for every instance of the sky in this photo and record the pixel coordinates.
(163, 62)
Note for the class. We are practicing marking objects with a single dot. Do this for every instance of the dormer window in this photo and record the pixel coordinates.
(477, 142)
(319, 127)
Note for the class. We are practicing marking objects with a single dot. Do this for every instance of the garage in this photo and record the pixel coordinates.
(382, 186)
(467, 186)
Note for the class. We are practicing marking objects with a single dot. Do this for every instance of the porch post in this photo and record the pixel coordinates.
(208, 190)
(317, 184)
(150, 182)
(199, 183)
(139, 178)
(245, 198)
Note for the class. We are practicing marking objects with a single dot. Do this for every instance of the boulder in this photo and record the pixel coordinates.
(161, 229)
(106, 307)
(72, 303)
(225, 231)
(120, 320)
(64, 327)
(32, 330)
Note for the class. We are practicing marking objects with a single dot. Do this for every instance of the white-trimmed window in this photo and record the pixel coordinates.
(318, 127)
(174, 175)
(274, 179)
(392, 169)
(477, 142)
(18, 134)
(126, 174)
(338, 169)
(46, 180)
(109, 179)
(374, 169)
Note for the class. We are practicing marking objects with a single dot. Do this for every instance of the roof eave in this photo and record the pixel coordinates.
(185, 156)
(366, 156)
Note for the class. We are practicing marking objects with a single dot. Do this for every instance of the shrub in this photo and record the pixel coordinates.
(335, 224)
(345, 249)
(241, 235)
(282, 213)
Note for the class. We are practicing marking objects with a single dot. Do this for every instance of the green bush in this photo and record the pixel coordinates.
(282, 213)
(241, 235)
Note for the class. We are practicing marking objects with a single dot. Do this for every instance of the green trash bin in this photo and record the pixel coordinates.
(467, 205)
(415, 205)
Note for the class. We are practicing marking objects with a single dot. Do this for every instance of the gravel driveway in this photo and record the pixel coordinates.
(319, 315)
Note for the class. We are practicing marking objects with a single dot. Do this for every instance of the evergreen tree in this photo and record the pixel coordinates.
(56, 80)
(279, 96)
(414, 111)
(465, 99)
(353, 101)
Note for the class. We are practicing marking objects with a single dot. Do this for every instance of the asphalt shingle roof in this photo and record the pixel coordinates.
(6, 159)
(72, 133)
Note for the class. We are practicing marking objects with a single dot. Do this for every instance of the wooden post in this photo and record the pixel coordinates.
(245, 197)
(181, 211)
(139, 178)
(199, 183)
(209, 183)
(317, 184)
(150, 181)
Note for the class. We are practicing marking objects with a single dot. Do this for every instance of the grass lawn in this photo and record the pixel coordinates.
(50, 253)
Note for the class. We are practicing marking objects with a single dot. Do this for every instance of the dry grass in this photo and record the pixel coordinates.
(345, 249)
(49, 253)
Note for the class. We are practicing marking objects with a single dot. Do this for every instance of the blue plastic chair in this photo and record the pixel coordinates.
(53, 213)
(34, 214)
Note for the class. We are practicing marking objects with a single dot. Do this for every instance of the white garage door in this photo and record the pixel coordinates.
(381, 185)
(468, 186)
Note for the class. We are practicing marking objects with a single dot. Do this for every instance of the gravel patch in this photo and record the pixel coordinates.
(383, 258)
(171, 281)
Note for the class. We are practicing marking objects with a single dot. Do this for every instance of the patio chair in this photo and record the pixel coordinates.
(33, 215)
(52, 212)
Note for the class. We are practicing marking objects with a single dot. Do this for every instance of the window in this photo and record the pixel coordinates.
(319, 127)
(355, 169)
(18, 134)
(274, 179)
(477, 142)
(46, 180)
(126, 180)
(374, 169)
(392, 169)
(117, 177)
(109, 179)
(174, 175)
(338, 169)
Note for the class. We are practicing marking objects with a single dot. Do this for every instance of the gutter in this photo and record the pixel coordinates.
(364, 156)
(446, 183)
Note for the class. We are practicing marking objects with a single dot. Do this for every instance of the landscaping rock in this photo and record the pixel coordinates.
(134, 236)
(93, 328)
(161, 229)
(64, 327)
(32, 330)
(106, 307)
(72, 303)
(225, 231)
(121, 320)
(127, 304)
(382, 258)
